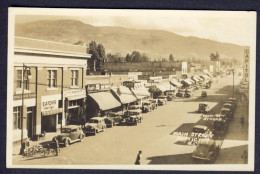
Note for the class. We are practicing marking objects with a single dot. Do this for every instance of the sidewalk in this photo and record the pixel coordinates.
(48, 137)
(236, 139)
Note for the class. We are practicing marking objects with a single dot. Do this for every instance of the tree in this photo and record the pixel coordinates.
(171, 58)
(102, 55)
(128, 58)
(145, 58)
(214, 57)
(94, 54)
(136, 56)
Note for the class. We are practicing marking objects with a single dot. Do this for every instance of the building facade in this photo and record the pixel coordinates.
(47, 77)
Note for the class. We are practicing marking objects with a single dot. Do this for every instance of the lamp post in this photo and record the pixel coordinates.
(22, 111)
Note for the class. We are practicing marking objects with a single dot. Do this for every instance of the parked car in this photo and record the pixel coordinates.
(234, 105)
(95, 125)
(114, 118)
(203, 108)
(230, 107)
(220, 127)
(226, 112)
(154, 102)
(147, 106)
(234, 100)
(170, 97)
(206, 150)
(70, 134)
(133, 117)
(180, 94)
(162, 100)
(187, 94)
(135, 106)
(204, 94)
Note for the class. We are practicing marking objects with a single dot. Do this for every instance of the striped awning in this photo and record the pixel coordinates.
(105, 100)
(124, 94)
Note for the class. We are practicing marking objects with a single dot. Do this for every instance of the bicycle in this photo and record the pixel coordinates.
(34, 150)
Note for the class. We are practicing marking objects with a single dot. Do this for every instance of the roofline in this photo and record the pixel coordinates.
(48, 41)
(50, 52)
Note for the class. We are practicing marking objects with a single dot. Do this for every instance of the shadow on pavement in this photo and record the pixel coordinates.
(172, 159)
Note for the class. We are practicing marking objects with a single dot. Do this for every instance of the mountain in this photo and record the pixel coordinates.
(155, 43)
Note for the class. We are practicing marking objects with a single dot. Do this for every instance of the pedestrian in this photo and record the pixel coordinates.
(56, 146)
(138, 158)
(242, 120)
(244, 156)
(83, 121)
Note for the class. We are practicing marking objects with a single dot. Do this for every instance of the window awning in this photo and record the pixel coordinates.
(124, 94)
(105, 100)
(174, 82)
(205, 76)
(198, 77)
(195, 79)
(52, 112)
(165, 87)
(187, 81)
(141, 93)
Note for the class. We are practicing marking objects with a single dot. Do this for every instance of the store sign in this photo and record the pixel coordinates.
(74, 92)
(93, 87)
(50, 102)
(246, 65)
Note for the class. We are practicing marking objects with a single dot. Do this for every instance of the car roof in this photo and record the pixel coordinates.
(71, 126)
(225, 109)
(228, 104)
(231, 98)
(97, 118)
(200, 127)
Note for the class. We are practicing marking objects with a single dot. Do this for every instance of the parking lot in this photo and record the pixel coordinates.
(120, 144)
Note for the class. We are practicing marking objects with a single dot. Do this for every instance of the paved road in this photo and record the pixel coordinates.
(120, 144)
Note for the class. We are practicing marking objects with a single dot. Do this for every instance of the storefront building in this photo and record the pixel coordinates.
(45, 75)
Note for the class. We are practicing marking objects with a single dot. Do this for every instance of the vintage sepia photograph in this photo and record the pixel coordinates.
(131, 89)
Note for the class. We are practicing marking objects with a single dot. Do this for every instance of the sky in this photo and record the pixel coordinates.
(229, 27)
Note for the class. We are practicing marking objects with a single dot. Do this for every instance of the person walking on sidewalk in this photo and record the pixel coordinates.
(138, 158)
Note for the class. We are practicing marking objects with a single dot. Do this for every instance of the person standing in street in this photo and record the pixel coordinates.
(56, 146)
(83, 121)
(138, 158)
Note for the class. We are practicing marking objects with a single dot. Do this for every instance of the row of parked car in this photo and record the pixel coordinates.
(132, 116)
(208, 150)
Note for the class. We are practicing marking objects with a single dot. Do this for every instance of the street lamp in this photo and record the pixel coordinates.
(25, 69)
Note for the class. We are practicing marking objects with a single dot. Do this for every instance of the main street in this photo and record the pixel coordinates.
(120, 144)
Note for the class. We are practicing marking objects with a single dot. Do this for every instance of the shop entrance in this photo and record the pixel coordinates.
(49, 123)
(30, 122)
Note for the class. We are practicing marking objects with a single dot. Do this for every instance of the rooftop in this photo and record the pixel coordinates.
(43, 46)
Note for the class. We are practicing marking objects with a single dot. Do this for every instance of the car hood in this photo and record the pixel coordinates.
(201, 152)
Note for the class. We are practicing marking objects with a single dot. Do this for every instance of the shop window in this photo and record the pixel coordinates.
(74, 78)
(73, 103)
(52, 78)
(17, 117)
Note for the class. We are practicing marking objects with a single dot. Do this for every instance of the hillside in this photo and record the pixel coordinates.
(155, 43)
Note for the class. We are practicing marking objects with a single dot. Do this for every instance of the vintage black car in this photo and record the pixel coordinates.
(147, 106)
(204, 94)
(132, 117)
(187, 94)
(95, 125)
(227, 113)
(220, 127)
(206, 150)
(203, 108)
(154, 102)
(114, 118)
(70, 134)
(162, 100)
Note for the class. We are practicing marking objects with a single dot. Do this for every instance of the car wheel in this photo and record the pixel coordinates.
(81, 137)
(66, 142)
